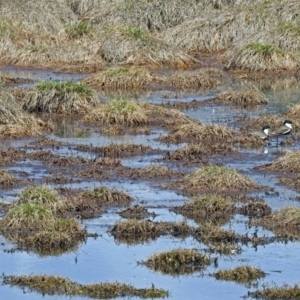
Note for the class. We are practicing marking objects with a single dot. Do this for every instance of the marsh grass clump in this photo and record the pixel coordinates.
(288, 163)
(42, 195)
(222, 248)
(203, 79)
(284, 292)
(262, 57)
(136, 212)
(78, 30)
(146, 228)
(104, 196)
(55, 285)
(243, 98)
(194, 153)
(152, 172)
(214, 178)
(294, 111)
(177, 261)
(60, 97)
(16, 123)
(118, 112)
(240, 274)
(196, 132)
(212, 208)
(121, 78)
(7, 179)
(293, 181)
(255, 209)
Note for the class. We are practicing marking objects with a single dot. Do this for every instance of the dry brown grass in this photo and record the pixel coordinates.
(244, 98)
(255, 208)
(7, 179)
(288, 163)
(200, 79)
(177, 261)
(120, 78)
(55, 285)
(14, 122)
(136, 212)
(294, 111)
(240, 274)
(153, 172)
(196, 132)
(60, 97)
(214, 178)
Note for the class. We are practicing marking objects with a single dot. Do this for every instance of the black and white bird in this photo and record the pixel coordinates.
(284, 130)
(263, 134)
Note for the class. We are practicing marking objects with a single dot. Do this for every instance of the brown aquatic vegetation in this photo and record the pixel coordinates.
(14, 122)
(294, 111)
(60, 97)
(293, 181)
(177, 261)
(129, 229)
(136, 212)
(249, 141)
(284, 292)
(222, 248)
(214, 178)
(196, 132)
(196, 153)
(7, 180)
(104, 196)
(288, 163)
(55, 285)
(120, 78)
(200, 79)
(274, 121)
(240, 274)
(255, 208)
(243, 98)
(209, 208)
(153, 172)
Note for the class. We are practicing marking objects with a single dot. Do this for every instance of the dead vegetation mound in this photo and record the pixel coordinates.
(177, 261)
(214, 178)
(243, 98)
(55, 285)
(16, 123)
(120, 78)
(240, 274)
(288, 163)
(255, 208)
(60, 97)
(195, 132)
(7, 180)
(294, 111)
(153, 172)
(136, 212)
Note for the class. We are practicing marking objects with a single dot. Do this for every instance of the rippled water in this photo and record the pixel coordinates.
(104, 260)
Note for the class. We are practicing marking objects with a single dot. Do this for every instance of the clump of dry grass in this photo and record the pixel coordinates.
(240, 274)
(60, 97)
(192, 153)
(294, 111)
(14, 122)
(7, 179)
(133, 45)
(255, 208)
(288, 163)
(200, 79)
(244, 98)
(196, 132)
(275, 292)
(206, 207)
(178, 261)
(216, 178)
(55, 285)
(120, 78)
(136, 212)
(153, 172)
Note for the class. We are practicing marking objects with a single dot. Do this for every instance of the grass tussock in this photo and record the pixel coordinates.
(288, 163)
(255, 208)
(60, 97)
(207, 206)
(294, 111)
(243, 98)
(152, 172)
(196, 132)
(120, 78)
(177, 262)
(6, 179)
(240, 274)
(132, 45)
(16, 123)
(284, 292)
(55, 285)
(200, 79)
(214, 178)
(194, 153)
(136, 212)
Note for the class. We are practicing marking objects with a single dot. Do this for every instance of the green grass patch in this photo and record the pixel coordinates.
(78, 30)
(264, 49)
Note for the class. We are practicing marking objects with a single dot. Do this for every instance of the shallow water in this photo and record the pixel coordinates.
(102, 259)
